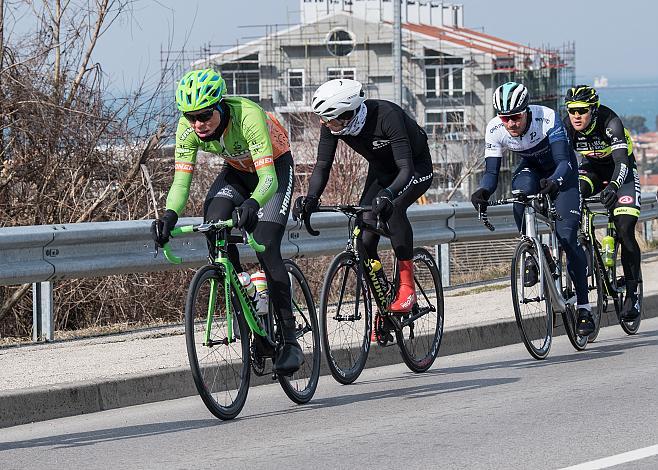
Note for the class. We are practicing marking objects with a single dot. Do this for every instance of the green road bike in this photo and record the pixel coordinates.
(226, 338)
(602, 276)
(352, 287)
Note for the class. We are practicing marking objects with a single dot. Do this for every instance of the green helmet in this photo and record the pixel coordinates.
(199, 89)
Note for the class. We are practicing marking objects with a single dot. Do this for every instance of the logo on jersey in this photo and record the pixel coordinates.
(608, 132)
(379, 144)
(184, 167)
(626, 200)
(533, 134)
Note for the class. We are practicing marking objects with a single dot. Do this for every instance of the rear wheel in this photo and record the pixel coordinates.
(419, 338)
(301, 386)
(345, 318)
(219, 358)
(569, 315)
(532, 307)
(632, 327)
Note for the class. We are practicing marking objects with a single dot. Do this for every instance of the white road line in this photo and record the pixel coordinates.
(618, 459)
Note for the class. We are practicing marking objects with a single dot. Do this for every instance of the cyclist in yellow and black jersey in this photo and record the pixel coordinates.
(608, 166)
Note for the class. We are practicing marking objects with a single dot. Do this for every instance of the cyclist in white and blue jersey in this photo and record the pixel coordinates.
(547, 166)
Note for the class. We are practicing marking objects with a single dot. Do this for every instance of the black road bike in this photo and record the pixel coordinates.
(353, 285)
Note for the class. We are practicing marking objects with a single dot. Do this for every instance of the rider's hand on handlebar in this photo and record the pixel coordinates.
(480, 199)
(304, 206)
(549, 187)
(161, 228)
(609, 196)
(246, 215)
(382, 205)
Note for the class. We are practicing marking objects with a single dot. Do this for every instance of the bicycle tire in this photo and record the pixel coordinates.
(569, 315)
(595, 282)
(420, 350)
(345, 337)
(223, 384)
(536, 328)
(632, 327)
(300, 387)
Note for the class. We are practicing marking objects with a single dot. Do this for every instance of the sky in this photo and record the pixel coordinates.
(617, 40)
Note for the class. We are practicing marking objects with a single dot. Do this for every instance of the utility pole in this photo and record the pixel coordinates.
(397, 51)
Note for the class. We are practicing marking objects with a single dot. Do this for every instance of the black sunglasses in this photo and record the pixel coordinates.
(203, 116)
(580, 111)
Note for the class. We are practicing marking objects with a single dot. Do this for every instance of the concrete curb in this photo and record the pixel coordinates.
(74, 398)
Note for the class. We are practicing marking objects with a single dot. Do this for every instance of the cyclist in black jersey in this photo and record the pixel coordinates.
(399, 168)
(608, 166)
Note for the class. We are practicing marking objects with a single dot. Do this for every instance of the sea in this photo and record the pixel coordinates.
(632, 97)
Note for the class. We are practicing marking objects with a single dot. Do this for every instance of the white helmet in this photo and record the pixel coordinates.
(335, 97)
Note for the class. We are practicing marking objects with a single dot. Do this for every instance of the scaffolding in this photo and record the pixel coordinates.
(449, 73)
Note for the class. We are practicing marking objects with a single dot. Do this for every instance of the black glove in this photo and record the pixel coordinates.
(382, 205)
(304, 206)
(161, 228)
(609, 196)
(480, 199)
(246, 216)
(548, 186)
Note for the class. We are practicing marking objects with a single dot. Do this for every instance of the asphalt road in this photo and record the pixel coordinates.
(495, 408)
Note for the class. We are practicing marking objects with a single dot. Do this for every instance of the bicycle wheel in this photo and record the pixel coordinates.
(345, 319)
(419, 338)
(220, 366)
(595, 282)
(569, 315)
(632, 327)
(301, 386)
(532, 308)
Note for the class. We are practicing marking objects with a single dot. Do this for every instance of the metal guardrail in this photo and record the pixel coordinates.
(55, 252)
(43, 254)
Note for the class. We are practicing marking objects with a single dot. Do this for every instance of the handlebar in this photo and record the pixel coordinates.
(248, 238)
(347, 209)
(518, 199)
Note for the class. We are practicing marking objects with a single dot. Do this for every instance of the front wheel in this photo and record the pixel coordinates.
(217, 339)
(345, 318)
(301, 386)
(419, 337)
(532, 306)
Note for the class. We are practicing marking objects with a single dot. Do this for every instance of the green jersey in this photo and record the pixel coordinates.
(251, 142)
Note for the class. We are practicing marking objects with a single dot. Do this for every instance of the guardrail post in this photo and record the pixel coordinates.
(42, 311)
(648, 231)
(442, 255)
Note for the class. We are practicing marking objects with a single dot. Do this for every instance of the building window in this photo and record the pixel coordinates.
(296, 85)
(444, 75)
(242, 77)
(445, 122)
(337, 72)
(340, 42)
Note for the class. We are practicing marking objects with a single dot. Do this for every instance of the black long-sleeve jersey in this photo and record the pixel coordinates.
(605, 142)
(391, 141)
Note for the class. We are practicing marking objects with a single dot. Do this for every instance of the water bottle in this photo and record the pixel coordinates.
(262, 294)
(377, 271)
(245, 280)
(608, 251)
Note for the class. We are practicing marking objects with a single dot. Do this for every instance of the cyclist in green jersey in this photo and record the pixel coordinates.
(253, 187)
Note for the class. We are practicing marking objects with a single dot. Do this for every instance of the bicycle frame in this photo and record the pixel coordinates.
(217, 256)
(588, 230)
(530, 230)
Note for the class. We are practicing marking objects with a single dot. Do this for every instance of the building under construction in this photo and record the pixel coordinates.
(449, 73)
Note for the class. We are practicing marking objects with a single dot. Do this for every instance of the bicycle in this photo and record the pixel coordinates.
(226, 338)
(535, 306)
(602, 273)
(346, 304)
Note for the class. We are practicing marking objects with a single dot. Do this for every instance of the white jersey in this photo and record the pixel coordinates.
(544, 146)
